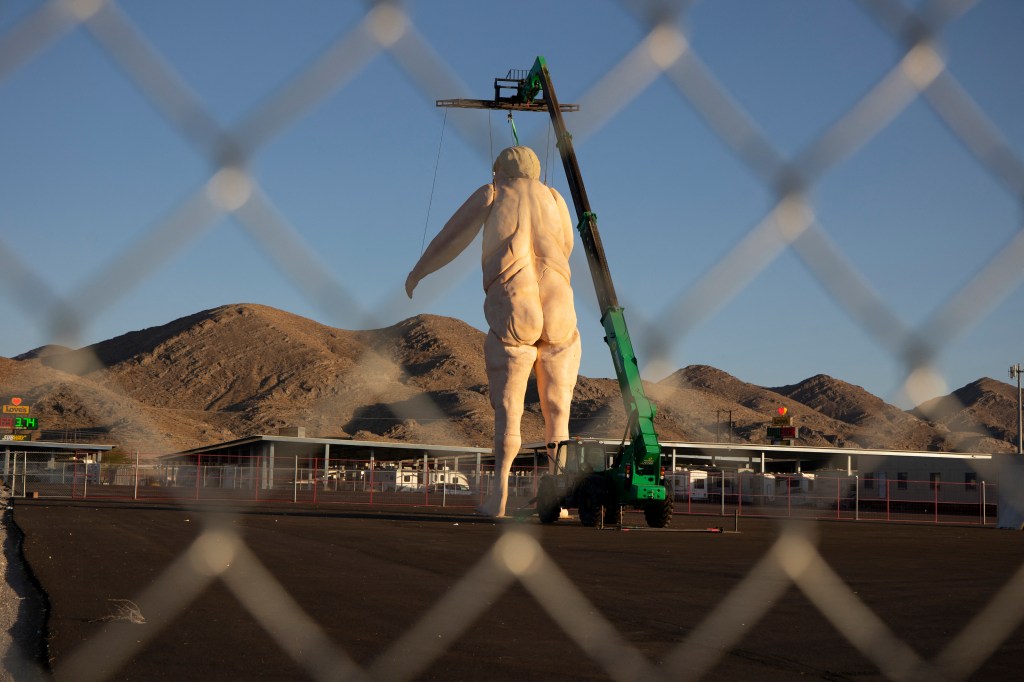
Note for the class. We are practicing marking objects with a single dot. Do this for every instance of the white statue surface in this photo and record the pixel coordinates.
(527, 239)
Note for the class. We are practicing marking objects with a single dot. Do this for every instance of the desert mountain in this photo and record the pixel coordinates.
(245, 369)
(985, 408)
(871, 421)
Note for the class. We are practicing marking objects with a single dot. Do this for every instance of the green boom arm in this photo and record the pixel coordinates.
(644, 451)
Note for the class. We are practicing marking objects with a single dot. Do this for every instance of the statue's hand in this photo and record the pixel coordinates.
(410, 283)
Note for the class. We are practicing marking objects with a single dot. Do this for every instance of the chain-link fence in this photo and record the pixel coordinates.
(253, 479)
(791, 226)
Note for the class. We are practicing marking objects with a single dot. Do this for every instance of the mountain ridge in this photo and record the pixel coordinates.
(245, 369)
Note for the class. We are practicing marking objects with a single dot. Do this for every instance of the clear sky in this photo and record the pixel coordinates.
(92, 166)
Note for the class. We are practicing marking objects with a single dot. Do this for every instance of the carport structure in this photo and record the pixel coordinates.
(23, 459)
(292, 466)
(831, 482)
(321, 454)
(765, 458)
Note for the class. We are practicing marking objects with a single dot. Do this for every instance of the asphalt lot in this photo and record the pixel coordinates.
(366, 578)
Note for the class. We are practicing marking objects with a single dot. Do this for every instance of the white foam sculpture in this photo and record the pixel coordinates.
(527, 239)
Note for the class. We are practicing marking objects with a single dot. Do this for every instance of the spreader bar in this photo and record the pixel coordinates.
(538, 105)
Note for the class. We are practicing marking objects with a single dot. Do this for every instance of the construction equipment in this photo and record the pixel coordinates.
(586, 478)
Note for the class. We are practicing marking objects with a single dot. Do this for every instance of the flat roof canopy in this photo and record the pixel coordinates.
(731, 454)
(735, 453)
(314, 447)
(48, 446)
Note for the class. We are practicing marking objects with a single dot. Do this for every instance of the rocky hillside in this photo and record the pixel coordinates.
(985, 409)
(245, 369)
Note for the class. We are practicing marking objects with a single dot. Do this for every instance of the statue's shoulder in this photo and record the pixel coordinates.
(485, 193)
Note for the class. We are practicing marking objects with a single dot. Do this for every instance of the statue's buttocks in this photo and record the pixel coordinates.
(526, 264)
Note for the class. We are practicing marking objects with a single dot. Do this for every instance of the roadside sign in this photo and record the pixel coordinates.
(26, 423)
(16, 409)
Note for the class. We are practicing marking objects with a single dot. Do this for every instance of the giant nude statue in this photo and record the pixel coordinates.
(528, 237)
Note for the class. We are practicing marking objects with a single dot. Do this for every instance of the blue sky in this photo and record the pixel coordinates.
(90, 165)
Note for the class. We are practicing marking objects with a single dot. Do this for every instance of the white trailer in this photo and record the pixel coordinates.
(757, 487)
(688, 484)
(407, 478)
(798, 488)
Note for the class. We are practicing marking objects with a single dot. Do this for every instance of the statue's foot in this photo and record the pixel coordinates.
(482, 510)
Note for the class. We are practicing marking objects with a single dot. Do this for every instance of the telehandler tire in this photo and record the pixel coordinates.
(612, 511)
(658, 513)
(549, 505)
(592, 497)
(596, 496)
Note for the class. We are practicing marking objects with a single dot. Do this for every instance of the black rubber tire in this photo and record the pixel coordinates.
(612, 511)
(658, 513)
(591, 497)
(549, 506)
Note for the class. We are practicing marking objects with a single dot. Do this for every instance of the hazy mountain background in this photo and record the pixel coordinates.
(245, 369)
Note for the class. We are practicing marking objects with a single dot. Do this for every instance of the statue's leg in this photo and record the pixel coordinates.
(557, 369)
(508, 370)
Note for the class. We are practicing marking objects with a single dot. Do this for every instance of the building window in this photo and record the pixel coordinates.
(970, 481)
(901, 480)
(934, 480)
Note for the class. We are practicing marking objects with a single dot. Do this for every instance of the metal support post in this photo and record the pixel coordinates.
(723, 493)
(1015, 372)
(327, 464)
(856, 498)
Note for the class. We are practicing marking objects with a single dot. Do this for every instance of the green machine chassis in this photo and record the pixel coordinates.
(595, 484)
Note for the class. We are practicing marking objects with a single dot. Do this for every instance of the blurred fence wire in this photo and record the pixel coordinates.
(919, 75)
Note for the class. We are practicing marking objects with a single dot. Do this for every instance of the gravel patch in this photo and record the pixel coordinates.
(22, 607)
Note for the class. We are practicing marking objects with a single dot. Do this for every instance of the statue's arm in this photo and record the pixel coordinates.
(567, 227)
(454, 237)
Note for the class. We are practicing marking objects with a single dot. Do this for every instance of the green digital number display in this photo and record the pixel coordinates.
(26, 423)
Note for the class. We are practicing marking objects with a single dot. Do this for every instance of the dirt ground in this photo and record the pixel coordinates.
(319, 594)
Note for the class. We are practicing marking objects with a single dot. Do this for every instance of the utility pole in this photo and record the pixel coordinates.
(1015, 372)
(718, 425)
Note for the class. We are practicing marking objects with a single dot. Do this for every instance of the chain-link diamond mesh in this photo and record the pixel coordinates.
(789, 226)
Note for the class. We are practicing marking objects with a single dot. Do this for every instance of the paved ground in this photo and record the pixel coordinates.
(366, 577)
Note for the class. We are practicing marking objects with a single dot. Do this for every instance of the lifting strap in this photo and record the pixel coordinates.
(515, 135)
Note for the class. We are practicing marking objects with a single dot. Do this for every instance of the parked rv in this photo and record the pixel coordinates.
(688, 484)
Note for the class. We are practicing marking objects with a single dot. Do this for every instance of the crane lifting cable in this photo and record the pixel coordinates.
(433, 182)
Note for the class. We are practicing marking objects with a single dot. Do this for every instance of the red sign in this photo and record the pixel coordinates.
(6, 422)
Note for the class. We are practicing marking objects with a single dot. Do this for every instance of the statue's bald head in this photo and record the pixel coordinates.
(517, 162)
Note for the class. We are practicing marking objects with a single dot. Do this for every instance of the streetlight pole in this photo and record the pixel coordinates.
(1015, 372)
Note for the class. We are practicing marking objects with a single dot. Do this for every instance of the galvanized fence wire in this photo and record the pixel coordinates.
(791, 224)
